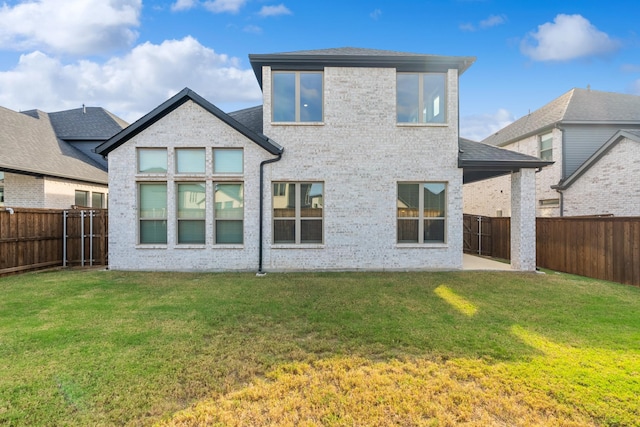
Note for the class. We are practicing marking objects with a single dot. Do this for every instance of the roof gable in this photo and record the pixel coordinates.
(358, 57)
(583, 106)
(173, 103)
(631, 134)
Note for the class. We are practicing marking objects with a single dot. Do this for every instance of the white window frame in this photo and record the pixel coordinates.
(549, 150)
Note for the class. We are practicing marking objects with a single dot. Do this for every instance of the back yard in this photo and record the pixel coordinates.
(471, 348)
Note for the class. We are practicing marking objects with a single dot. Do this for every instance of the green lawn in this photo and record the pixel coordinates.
(112, 348)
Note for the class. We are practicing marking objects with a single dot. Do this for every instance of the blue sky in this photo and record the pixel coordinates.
(131, 55)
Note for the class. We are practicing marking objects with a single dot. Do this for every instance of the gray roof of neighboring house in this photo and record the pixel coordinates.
(86, 123)
(358, 57)
(482, 161)
(632, 134)
(172, 104)
(582, 106)
(29, 145)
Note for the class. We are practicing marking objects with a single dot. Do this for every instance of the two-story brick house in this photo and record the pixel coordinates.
(593, 138)
(352, 163)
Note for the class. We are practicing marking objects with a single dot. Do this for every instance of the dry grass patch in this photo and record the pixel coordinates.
(358, 392)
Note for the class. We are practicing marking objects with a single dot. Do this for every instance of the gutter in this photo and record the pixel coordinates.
(261, 228)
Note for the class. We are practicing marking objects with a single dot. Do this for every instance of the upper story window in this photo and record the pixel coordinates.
(297, 96)
(152, 160)
(190, 160)
(546, 147)
(227, 160)
(421, 98)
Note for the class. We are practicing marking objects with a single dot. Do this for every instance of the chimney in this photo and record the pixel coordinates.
(84, 109)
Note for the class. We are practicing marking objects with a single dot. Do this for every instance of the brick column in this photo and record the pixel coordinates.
(523, 220)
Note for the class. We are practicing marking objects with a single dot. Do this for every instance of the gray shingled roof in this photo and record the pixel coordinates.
(482, 161)
(29, 145)
(631, 134)
(89, 123)
(350, 51)
(576, 106)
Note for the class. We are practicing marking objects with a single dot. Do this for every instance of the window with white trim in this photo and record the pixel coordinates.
(546, 147)
(97, 200)
(82, 198)
(298, 212)
(421, 210)
(297, 96)
(421, 98)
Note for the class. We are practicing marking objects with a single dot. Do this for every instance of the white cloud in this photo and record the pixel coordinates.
(491, 21)
(183, 5)
(220, 6)
(77, 27)
(375, 15)
(478, 127)
(129, 86)
(253, 29)
(568, 37)
(280, 9)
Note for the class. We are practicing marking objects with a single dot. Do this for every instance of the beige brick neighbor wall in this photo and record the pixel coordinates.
(610, 186)
(490, 196)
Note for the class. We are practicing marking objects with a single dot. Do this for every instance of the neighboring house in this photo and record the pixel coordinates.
(47, 159)
(592, 138)
(352, 163)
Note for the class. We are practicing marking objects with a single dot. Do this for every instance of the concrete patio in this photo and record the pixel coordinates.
(472, 262)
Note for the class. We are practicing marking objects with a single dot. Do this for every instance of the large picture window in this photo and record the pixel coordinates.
(152, 199)
(298, 212)
(421, 98)
(422, 212)
(229, 212)
(191, 213)
(297, 96)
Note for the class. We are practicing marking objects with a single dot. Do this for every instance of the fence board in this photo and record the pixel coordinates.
(32, 239)
(605, 248)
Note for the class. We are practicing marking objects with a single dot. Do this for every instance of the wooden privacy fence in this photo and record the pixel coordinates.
(32, 239)
(605, 248)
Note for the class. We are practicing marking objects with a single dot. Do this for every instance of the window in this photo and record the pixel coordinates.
(546, 147)
(82, 198)
(297, 214)
(152, 160)
(229, 212)
(1, 188)
(421, 98)
(191, 213)
(422, 212)
(97, 200)
(227, 160)
(549, 202)
(297, 96)
(153, 212)
(190, 160)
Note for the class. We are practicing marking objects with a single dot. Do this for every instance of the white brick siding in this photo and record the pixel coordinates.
(610, 186)
(359, 153)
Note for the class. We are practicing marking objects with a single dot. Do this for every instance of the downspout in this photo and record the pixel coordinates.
(261, 232)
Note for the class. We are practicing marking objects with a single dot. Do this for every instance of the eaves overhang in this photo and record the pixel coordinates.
(310, 62)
